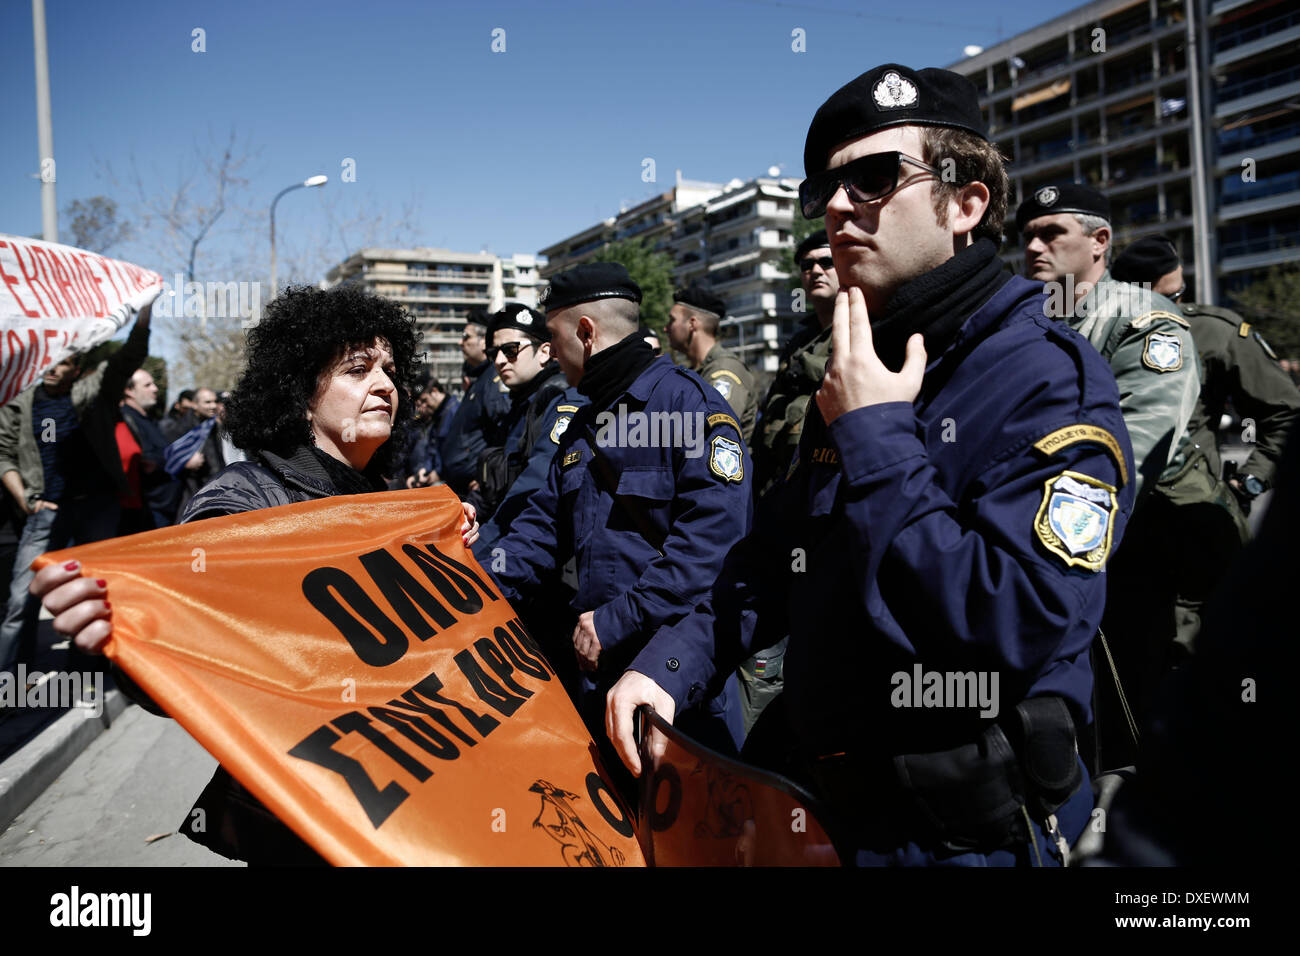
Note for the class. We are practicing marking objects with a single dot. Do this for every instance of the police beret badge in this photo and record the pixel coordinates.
(1076, 519)
(1163, 351)
(726, 459)
(1047, 195)
(893, 92)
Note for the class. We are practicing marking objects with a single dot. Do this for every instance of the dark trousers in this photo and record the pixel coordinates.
(77, 521)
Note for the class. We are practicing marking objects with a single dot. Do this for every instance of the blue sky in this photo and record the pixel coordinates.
(509, 151)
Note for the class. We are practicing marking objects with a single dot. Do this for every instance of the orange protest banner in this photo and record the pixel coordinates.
(700, 808)
(350, 663)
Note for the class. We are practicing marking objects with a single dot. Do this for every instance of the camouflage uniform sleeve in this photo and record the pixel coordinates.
(1155, 366)
(734, 383)
(1262, 392)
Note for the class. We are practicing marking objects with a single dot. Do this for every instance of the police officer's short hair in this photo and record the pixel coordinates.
(617, 315)
(971, 159)
(1090, 225)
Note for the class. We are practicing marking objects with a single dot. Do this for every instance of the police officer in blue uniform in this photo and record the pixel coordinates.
(477, 424)
(542, 405)
(648, 491)
(937, 556)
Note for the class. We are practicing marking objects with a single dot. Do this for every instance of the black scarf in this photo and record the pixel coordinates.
(609, 373)
(520, 396)
(938, 303)
(345, 479)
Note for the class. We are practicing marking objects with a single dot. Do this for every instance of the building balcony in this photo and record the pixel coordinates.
(415, 275)
(1259, 260)
(1088, 149)
(1248, 95)
(1232, 45)
(1116, 47)
(1092, 103)
(1286, 196)
(1270, 145)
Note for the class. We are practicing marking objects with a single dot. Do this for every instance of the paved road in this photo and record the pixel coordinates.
(138, 779)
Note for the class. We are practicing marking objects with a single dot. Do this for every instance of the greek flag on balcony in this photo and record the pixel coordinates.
(179, 451)
(1171, 106)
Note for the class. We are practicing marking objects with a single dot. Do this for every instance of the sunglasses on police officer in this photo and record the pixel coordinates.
(511, 350)
(865, 179)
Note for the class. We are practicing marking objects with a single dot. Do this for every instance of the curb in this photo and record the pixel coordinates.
(26, 774)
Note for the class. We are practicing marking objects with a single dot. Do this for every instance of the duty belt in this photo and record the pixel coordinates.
(976, 797)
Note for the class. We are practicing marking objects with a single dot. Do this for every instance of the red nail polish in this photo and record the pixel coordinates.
(107, 606)
(71, 566)
(101, 582)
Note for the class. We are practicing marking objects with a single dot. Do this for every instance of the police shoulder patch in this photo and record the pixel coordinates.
(721, 418)
(572, 458)
(1163, 351)
(1069, 435)
(559, 427)
(1076, 520)
(1146, 318)
(727, 459)
(566, 408)
(723, 387)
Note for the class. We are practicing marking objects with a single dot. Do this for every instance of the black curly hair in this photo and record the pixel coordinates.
(302, 332)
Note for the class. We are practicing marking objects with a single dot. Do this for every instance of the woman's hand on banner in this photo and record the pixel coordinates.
(632, 690)
(469, 530)
(585, 642)
(79, 604)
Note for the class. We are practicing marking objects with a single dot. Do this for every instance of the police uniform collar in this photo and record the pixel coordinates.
(990, 313)
(645, 383)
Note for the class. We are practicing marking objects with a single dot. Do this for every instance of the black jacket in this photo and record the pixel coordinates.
(233, 822)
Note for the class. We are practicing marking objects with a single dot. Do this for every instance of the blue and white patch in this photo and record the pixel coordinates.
(727, 459)
(1163, 351)
(1076, 520)
(723, 387)
(559, 427)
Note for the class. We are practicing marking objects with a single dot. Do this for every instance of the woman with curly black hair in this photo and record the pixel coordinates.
(322, 410)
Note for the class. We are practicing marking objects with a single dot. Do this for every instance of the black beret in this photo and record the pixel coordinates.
(817, 240)
(1146, 260)
(892, 95)
(700, 297)
(515, 315)
(588, 282)
(1063, 197)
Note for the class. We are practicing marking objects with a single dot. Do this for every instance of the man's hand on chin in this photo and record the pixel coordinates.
(632, 690)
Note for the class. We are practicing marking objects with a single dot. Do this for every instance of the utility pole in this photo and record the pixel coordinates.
(44, 126)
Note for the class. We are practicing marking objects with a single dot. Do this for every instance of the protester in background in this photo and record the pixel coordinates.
(180, 417)
(320, 406)
(160, 492)
(60, 462)
(210, 460)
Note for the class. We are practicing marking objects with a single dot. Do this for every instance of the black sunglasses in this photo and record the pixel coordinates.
(826, 262)
(865, 179)
(512, 350)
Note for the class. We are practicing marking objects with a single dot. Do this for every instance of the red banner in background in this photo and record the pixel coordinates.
(56, 300)
(350, 663)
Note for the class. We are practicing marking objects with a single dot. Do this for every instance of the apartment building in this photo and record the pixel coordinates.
(730, 236)
(441, 289)
(1186, 113)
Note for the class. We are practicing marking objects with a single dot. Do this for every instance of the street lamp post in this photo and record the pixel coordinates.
(314, 181)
